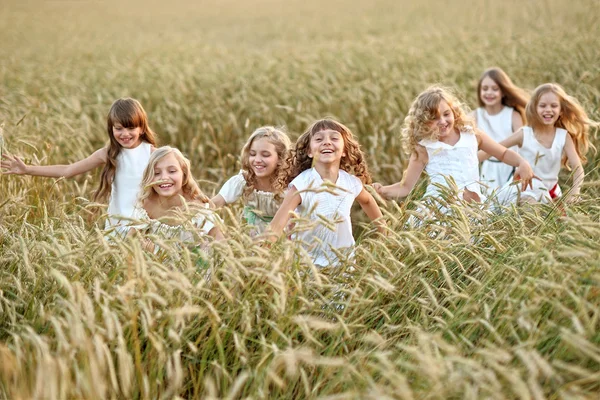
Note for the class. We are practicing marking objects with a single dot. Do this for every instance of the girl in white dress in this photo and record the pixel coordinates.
(327, 174)
(124, 159)
(501, 112)
(442, 141)
(262, 181)
(558, 132)
(171, 205)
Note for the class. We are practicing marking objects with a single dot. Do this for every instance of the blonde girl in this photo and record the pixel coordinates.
(262, 181)
(168, 192)
(131, 141)
(557, 133)
(501, 112)
(328, 171)
(442, 141)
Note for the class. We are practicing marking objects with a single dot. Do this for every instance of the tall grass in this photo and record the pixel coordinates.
(471, 306)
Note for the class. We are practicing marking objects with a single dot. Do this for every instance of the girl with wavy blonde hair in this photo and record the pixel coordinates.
(328, 173)
(442, 140)
(501, 112)
(557, 134)
(261, 182)
(169, 196)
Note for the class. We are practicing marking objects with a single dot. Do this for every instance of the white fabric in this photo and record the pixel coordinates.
(494, 173)
(260, 206)
(545, 162)
(203, 222)
(131, 164)
(458, 162)
(328, 207)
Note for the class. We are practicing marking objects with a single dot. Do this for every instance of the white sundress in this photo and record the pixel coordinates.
(545, 162)
(327, 207)
(131, 164)
(259, 207)
(494, 173)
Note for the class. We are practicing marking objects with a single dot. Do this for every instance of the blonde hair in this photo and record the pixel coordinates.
(512, 95)
(281, 141)
(128, 113)
(189, 187)
(425, 108)
(573, 118)
(353, 163)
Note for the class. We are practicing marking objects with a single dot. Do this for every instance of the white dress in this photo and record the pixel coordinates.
(327, 206)
(259, 207)
(458, 162)
(494, 173)
(131, 164)
(545, 162)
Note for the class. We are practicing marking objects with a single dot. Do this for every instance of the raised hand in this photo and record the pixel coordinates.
(12, 165)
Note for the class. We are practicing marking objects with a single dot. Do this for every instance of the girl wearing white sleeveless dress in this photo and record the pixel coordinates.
(261, 183)
(443, 142)
(124, 160)
(501, 112)
(558, 132)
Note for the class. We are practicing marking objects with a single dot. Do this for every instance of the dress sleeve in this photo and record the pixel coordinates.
(301, 183)
(140, 218)
(233, 189)
(357, 185)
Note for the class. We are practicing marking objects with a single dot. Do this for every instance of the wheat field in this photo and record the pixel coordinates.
(476, 306)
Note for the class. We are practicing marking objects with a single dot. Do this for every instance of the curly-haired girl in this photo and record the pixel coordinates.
(442, 141)
(262, 181)
(328, 170)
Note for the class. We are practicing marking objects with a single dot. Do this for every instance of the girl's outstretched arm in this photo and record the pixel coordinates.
(14, 165)
(575, 164)
(507, 156)
(291, 200)
(516, 139)
(416, 164)
(218, 201)
(370, 207)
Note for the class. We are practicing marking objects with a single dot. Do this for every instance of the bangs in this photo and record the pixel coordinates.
(127, 115)
(328, 124)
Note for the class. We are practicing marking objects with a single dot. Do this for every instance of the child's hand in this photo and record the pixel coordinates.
(525, 174)
(12, 165)
(573, 199)
(380, 189)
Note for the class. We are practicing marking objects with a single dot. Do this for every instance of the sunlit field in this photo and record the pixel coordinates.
(474, 306)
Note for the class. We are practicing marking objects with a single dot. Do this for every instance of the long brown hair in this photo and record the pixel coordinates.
(129, 113)
(512, 95)
(573, 118)
(281, 141)
(189, 187)
(353, 163)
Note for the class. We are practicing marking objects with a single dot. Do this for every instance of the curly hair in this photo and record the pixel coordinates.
(282, 143)
(512, 95)
(189, 187)
(425, 109)
(353, 163)
(573, 118)
(129, 113)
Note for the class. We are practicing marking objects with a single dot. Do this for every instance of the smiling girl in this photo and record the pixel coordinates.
(124, 159)
(262, 181)
(443, 142)
(327, 175)
(558, 132)
(501, 112)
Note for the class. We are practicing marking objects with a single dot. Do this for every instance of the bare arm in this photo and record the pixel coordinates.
(291, 200)
(507, 156)
(517, 121)
(416, 165)
(370, 207)
(575, 163)
(516, 139)
(218, 201)
(216, 233)
(14, 165)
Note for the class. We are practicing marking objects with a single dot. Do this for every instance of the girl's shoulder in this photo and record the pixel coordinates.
(233, 188)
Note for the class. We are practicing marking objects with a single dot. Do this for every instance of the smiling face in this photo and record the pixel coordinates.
(327, 146)
(490, 94)
(263, 158)
(128, 138)
(548, 108)
(444, 122)
(167, 177)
